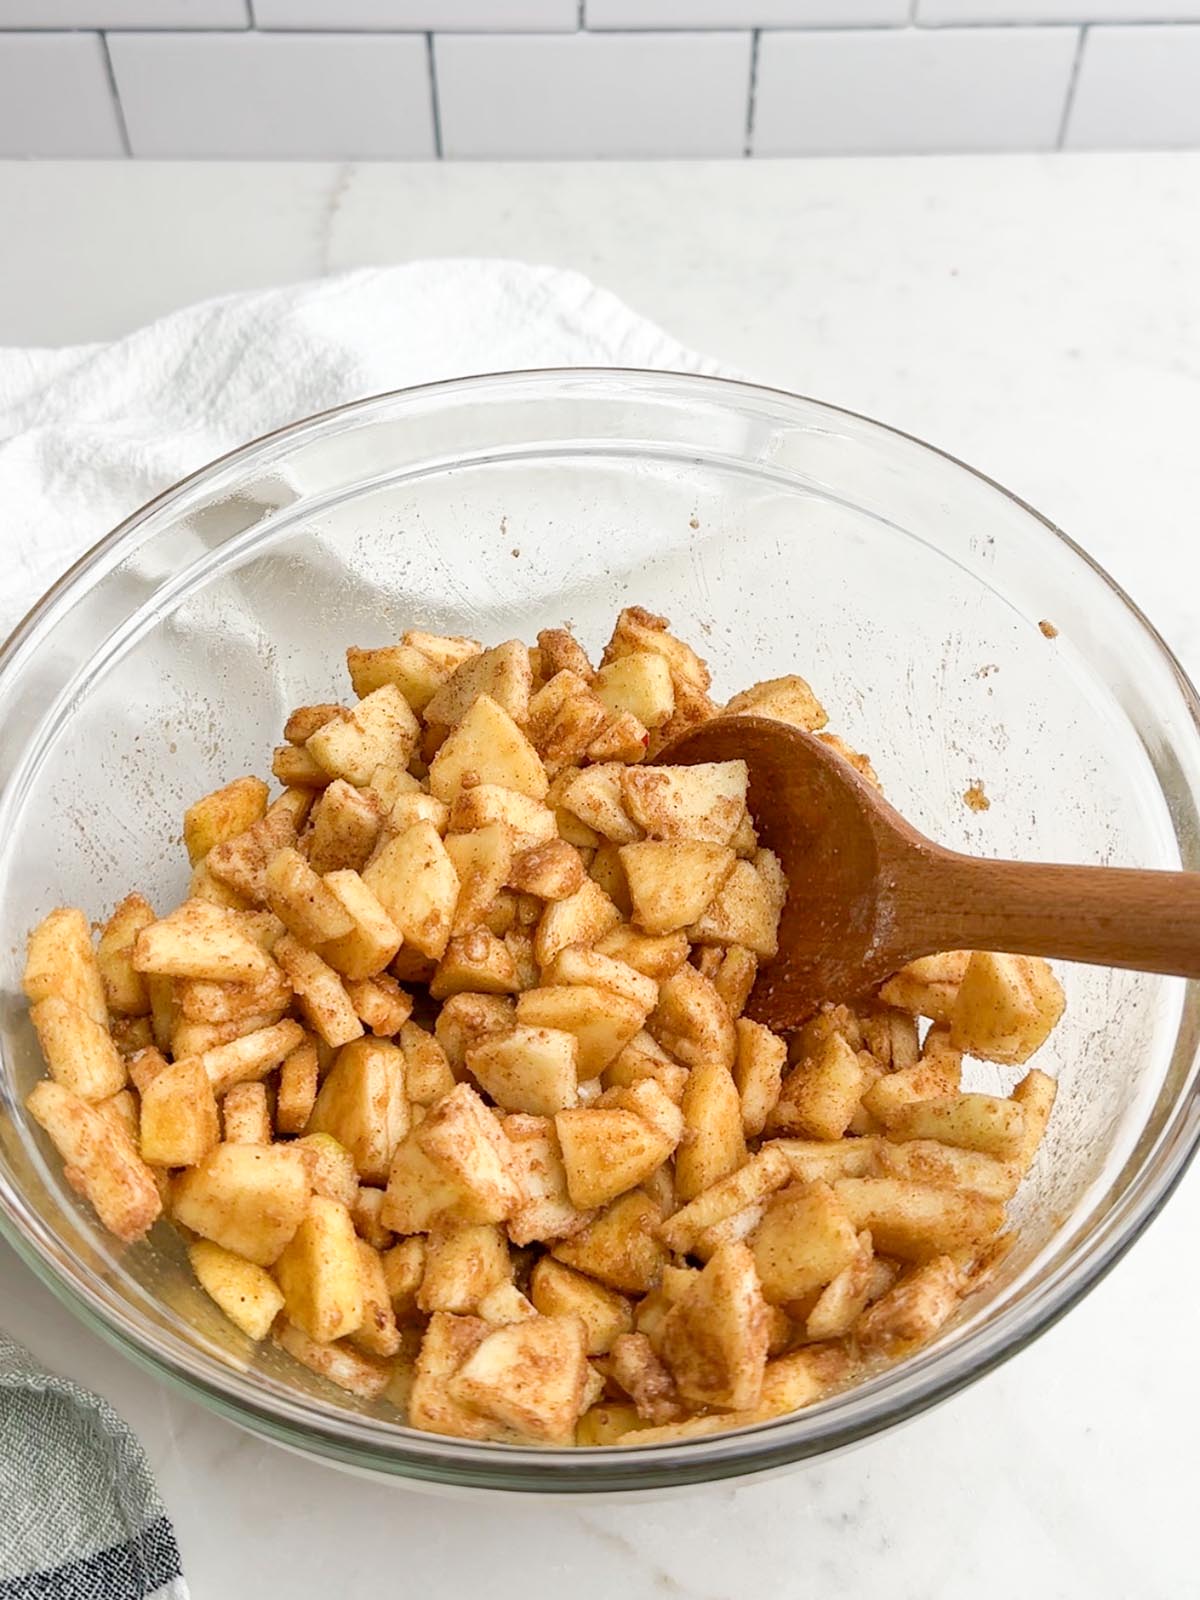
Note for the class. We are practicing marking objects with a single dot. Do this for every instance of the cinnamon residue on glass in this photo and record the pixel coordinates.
(975, 797)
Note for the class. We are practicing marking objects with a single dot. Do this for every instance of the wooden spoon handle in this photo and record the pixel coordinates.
(1110, 916)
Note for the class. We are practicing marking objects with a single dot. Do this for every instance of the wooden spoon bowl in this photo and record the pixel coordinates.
(868, 893)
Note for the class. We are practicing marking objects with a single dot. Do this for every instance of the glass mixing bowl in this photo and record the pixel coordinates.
(778, 535)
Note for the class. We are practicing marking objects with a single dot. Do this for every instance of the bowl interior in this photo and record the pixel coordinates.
(777, 536)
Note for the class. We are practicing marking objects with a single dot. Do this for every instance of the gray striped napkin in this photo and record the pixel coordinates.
(80, 1518)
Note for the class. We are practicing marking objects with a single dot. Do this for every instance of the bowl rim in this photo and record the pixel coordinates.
(901, 1392)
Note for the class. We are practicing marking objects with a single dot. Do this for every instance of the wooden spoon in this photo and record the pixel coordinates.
(868, 893)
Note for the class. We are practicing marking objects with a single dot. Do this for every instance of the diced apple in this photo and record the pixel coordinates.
(414, 880)
(248, 1296)
(671, 882)
(531, 1069)
(487, 746)
(246, 1198)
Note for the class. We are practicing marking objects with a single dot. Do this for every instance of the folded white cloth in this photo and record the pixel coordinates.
(86, 436)
(90, 433)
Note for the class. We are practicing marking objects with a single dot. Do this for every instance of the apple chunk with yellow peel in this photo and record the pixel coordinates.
(248, 1295)
(329, 1165)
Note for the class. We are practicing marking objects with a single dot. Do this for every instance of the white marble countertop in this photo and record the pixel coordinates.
(1038, 316)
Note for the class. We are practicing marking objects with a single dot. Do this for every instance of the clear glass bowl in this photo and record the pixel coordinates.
(777, 534)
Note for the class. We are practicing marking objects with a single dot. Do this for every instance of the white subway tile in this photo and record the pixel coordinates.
(593, 94)
(912, 90)
(1137, 87)
(124, 14)
(314, 95)
(537, 16)
(55, 97)
(746, 13)
(936, 11)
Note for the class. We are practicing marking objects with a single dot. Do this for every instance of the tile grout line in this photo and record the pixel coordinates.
(434, 103)
(116, 95)
(964, 25)
(748, 146)
(1072, 85)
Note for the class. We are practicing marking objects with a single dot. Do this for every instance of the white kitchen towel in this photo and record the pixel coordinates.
(88, 434)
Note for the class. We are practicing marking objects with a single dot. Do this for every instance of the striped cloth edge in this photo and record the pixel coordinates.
(80, 1517)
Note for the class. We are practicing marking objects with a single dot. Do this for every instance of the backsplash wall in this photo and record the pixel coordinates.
(562, 79)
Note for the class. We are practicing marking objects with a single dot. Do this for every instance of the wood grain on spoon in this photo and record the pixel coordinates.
(868, 893)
